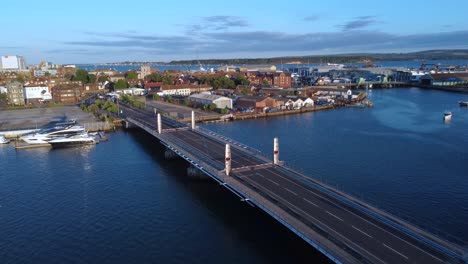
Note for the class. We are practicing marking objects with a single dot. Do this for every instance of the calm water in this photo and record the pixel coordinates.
(122, 202)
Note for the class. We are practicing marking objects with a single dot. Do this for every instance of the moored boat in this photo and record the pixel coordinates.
(45, 135)
(463, 103)
(3, 140)
(447, 116)
(73, 140)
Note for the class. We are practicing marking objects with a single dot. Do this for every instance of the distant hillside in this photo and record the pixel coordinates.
(461, 54)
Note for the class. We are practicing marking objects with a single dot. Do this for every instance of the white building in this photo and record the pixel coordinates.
(3, 89)
(13, 63)
(134, 91)
(207, 99)
(37, 92)
(172, 90)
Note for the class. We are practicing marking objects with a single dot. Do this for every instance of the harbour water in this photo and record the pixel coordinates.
(123, 202)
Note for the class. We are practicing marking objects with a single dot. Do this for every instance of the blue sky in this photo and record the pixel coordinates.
(152, 30)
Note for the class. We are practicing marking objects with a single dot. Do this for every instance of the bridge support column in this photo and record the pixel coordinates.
(228, 159)
(193, 120)
(159, 124)
(275, 151)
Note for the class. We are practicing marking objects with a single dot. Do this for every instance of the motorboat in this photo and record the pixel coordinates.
(463, 103)
(3, 140)
(447, 116)
(73, 140)
(43, 136)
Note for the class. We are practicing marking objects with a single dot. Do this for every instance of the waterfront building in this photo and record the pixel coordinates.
(259, 103)
(282, 80)
(36, 93)
(207, 99)
(67, 93)
(444, 79)
(15, 93)
(258, 68)
(13, 63)
(183, 89)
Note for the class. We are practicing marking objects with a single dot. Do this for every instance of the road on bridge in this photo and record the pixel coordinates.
(356, 229)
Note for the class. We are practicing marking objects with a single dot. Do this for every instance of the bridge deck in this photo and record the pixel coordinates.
(345, 231)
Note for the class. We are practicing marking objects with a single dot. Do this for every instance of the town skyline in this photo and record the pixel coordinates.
(96, 32)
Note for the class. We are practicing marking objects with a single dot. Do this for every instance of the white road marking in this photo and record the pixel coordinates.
(310, 202)
(335, 216)
(290, 191)
(386, 231)
(362, 231)
(273, 182)
(395, 251)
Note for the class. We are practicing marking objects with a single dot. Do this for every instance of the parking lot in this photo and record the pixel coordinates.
(40, 117)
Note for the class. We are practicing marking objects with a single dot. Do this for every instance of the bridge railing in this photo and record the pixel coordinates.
(397, 220)
(281, 214)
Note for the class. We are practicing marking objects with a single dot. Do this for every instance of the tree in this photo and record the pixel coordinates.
(265, 82)
(20, 79)
(245, 91)
(166, 79)
(121, 84)
(241, 80)
(187, 102)
(212, 107)
(131, 75)
(102, 78)
(91, 78)
(81, 75)
(169, 98)
(156, 97)
(223, 82)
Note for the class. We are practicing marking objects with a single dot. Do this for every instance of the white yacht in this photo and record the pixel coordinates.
(72, 140)
(45, 135)
(3, 140)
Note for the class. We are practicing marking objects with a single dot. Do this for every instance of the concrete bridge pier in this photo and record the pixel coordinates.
(127, 124)
(159, 124)
(275, 151)
(228, 159)
(193, 120)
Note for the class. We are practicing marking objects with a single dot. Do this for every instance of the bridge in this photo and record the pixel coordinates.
(340, 226)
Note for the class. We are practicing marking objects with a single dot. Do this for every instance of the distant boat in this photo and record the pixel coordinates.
(3, 140)
(447, 116)
(463, 103)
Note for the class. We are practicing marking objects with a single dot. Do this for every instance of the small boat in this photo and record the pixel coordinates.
(73, 140)
(463, 103)
(3, 140)
(447, 116)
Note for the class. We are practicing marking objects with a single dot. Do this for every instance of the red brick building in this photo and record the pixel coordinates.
(67, 94)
